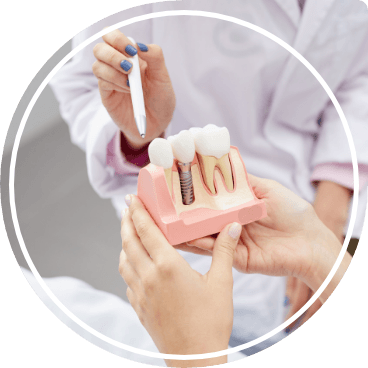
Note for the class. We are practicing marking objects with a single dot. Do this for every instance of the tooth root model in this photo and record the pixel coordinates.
(213, 147)
(161, 154)
(184, 150)
(208, 165)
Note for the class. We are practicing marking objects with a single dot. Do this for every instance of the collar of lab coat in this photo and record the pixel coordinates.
(315, 11)
(291, 8)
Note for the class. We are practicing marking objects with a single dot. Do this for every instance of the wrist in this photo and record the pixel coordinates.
(325, 250)
(135, 155)
(202, 346)
(132, 143)
(197, 363)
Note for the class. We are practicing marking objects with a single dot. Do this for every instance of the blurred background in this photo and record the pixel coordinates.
(67, 228)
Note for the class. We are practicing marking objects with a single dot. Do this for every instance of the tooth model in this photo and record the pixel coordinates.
(218, 178)
(160, 154)
(213, 147)
(184, 150)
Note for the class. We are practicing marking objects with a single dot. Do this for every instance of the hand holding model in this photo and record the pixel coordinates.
(183, 311)
(112, 68)
(291, 241)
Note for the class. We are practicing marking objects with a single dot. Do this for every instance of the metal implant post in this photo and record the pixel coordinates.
(186, 183)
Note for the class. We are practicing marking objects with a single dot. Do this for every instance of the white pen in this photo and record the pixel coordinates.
(136, 91)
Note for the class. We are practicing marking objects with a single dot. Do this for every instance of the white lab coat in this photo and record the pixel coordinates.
(228, 75)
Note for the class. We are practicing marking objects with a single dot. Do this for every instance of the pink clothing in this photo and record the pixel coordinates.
(341, 174)
(336, 172)
(117, 161)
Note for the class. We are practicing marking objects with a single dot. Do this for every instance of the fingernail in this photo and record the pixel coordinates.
(235, 230)
(126, 65)
(286, 301)
(128, 200)
(142, 47)
(131, 50)
(128, 84)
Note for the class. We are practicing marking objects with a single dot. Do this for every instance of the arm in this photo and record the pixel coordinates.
(332, 204)
(332, 159)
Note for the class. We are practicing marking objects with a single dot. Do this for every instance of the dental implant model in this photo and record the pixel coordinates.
(184, 150)
(160, 154)
(204, 189)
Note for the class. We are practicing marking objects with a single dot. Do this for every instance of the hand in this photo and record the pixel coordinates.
(183, 311)
(115, 94)
(290, 241)
(277, 245)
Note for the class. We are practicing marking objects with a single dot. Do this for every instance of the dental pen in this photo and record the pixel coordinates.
(136, 91)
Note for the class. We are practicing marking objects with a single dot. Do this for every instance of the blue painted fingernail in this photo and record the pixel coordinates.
(126, 65)
(142, 47)
(128, 84)
(286, 301)
(131, 50)
(287, 330)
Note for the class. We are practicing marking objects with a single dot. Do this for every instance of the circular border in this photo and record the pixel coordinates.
(208, 15)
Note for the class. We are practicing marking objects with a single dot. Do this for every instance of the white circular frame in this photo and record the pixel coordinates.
(198, 14)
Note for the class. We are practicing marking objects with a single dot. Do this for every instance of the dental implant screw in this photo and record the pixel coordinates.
(186, 183)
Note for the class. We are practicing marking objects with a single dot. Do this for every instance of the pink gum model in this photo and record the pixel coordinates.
(209, 213)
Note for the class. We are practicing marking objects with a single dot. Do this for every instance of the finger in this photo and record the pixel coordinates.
(207, 243)
(311, 311)
(260, 186)
(150, 235)
(143, 68)
(191, 249)
(109, 74)
(133, 247)
(300, 297)
(108, 55)
(153, 55)
(120, 42)
(223, 252)
(127, 272)
(105, 86)
(290, 287)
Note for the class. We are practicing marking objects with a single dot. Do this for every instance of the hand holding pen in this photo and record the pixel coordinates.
(113, 66)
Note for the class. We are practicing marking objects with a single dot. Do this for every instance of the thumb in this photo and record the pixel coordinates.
(223, 251)
(153, 56)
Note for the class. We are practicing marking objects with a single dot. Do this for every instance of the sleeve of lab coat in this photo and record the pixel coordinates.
(332, 144)
(76, 89)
